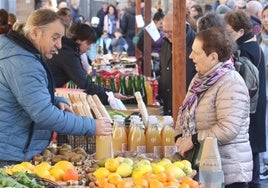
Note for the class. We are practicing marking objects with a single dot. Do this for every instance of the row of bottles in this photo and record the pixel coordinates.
(128, 85)
(141, 139)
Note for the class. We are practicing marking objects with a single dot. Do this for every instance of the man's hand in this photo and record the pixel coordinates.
(64, 107)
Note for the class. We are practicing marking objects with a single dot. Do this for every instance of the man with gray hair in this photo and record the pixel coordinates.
(254, 9)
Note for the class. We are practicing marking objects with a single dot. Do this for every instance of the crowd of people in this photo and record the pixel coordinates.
(216, 104)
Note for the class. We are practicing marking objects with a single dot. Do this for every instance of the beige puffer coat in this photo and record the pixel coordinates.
(223, 112)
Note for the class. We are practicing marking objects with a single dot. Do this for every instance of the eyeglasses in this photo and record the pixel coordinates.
(168, 31)
(229, 32)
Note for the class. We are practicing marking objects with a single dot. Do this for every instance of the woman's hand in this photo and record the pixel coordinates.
(64, 107)
(184, 145)
(122, 97)
(103, 127)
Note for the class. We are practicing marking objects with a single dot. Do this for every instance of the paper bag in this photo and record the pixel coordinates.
(210, 169)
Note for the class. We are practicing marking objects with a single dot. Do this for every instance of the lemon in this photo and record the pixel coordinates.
(28, 166)
(187, 163)
(42, 173)
(64, 165)
(164, 162)
(124, 170)
(176, 172)
(19, 168)
(136, 174)
(111, 164)
(156, 168)
(57, 173)
(145, 168)
(179, 164)
(44, 165)
(101, 173)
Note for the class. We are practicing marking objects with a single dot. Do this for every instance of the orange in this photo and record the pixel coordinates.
(183, 185)
(143, 183)
(189, 181)
(193, 184)
(70, 174)
(57, 173)
(101, 182)
(148, 176)
(172, 184)
(124, 184)
(114, 178)
(155, 183)
(109, 185)
(161, 176)
(111, 164)
(64, 165)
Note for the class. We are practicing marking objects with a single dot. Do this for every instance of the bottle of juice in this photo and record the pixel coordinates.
(104, 147)
(153, 138)
(137, 138)
(130, 128)
(119, 135)
(149, 92)
(167, 134)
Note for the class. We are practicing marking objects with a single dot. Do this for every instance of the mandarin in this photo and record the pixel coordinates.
(114, 178)
(155, 183)
(70, 174)
(142, 182)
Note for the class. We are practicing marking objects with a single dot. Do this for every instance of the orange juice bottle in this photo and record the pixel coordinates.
(137, 138)
(104, 147)
(153, 138)
(130, 128)
(167, 134)
(119, 135)
(149, 92)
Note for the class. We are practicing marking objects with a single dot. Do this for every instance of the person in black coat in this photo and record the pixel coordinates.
(165, 80)
(127, 26)
(66, 65)
(101, 14)
(239, 27)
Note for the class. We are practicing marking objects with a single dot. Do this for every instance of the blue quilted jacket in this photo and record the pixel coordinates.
(24, 99)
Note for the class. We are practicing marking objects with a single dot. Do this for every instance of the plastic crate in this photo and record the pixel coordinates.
(85, 142)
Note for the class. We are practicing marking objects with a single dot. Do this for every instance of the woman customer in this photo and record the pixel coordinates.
(239, 27)
(29, 110)
(217, 105)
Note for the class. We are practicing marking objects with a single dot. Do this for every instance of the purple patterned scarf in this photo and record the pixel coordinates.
(201, 84)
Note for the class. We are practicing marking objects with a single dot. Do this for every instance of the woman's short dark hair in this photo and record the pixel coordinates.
(216, 40)
(159, 15)
(238, 19)
(80, 31)
(210, 20)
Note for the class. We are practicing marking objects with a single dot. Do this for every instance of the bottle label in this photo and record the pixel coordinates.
(157, 151)
(141, 149)
(124, 147)
(169, 151)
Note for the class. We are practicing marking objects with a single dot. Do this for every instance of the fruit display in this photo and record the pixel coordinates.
(134, 173)
(113, 172)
